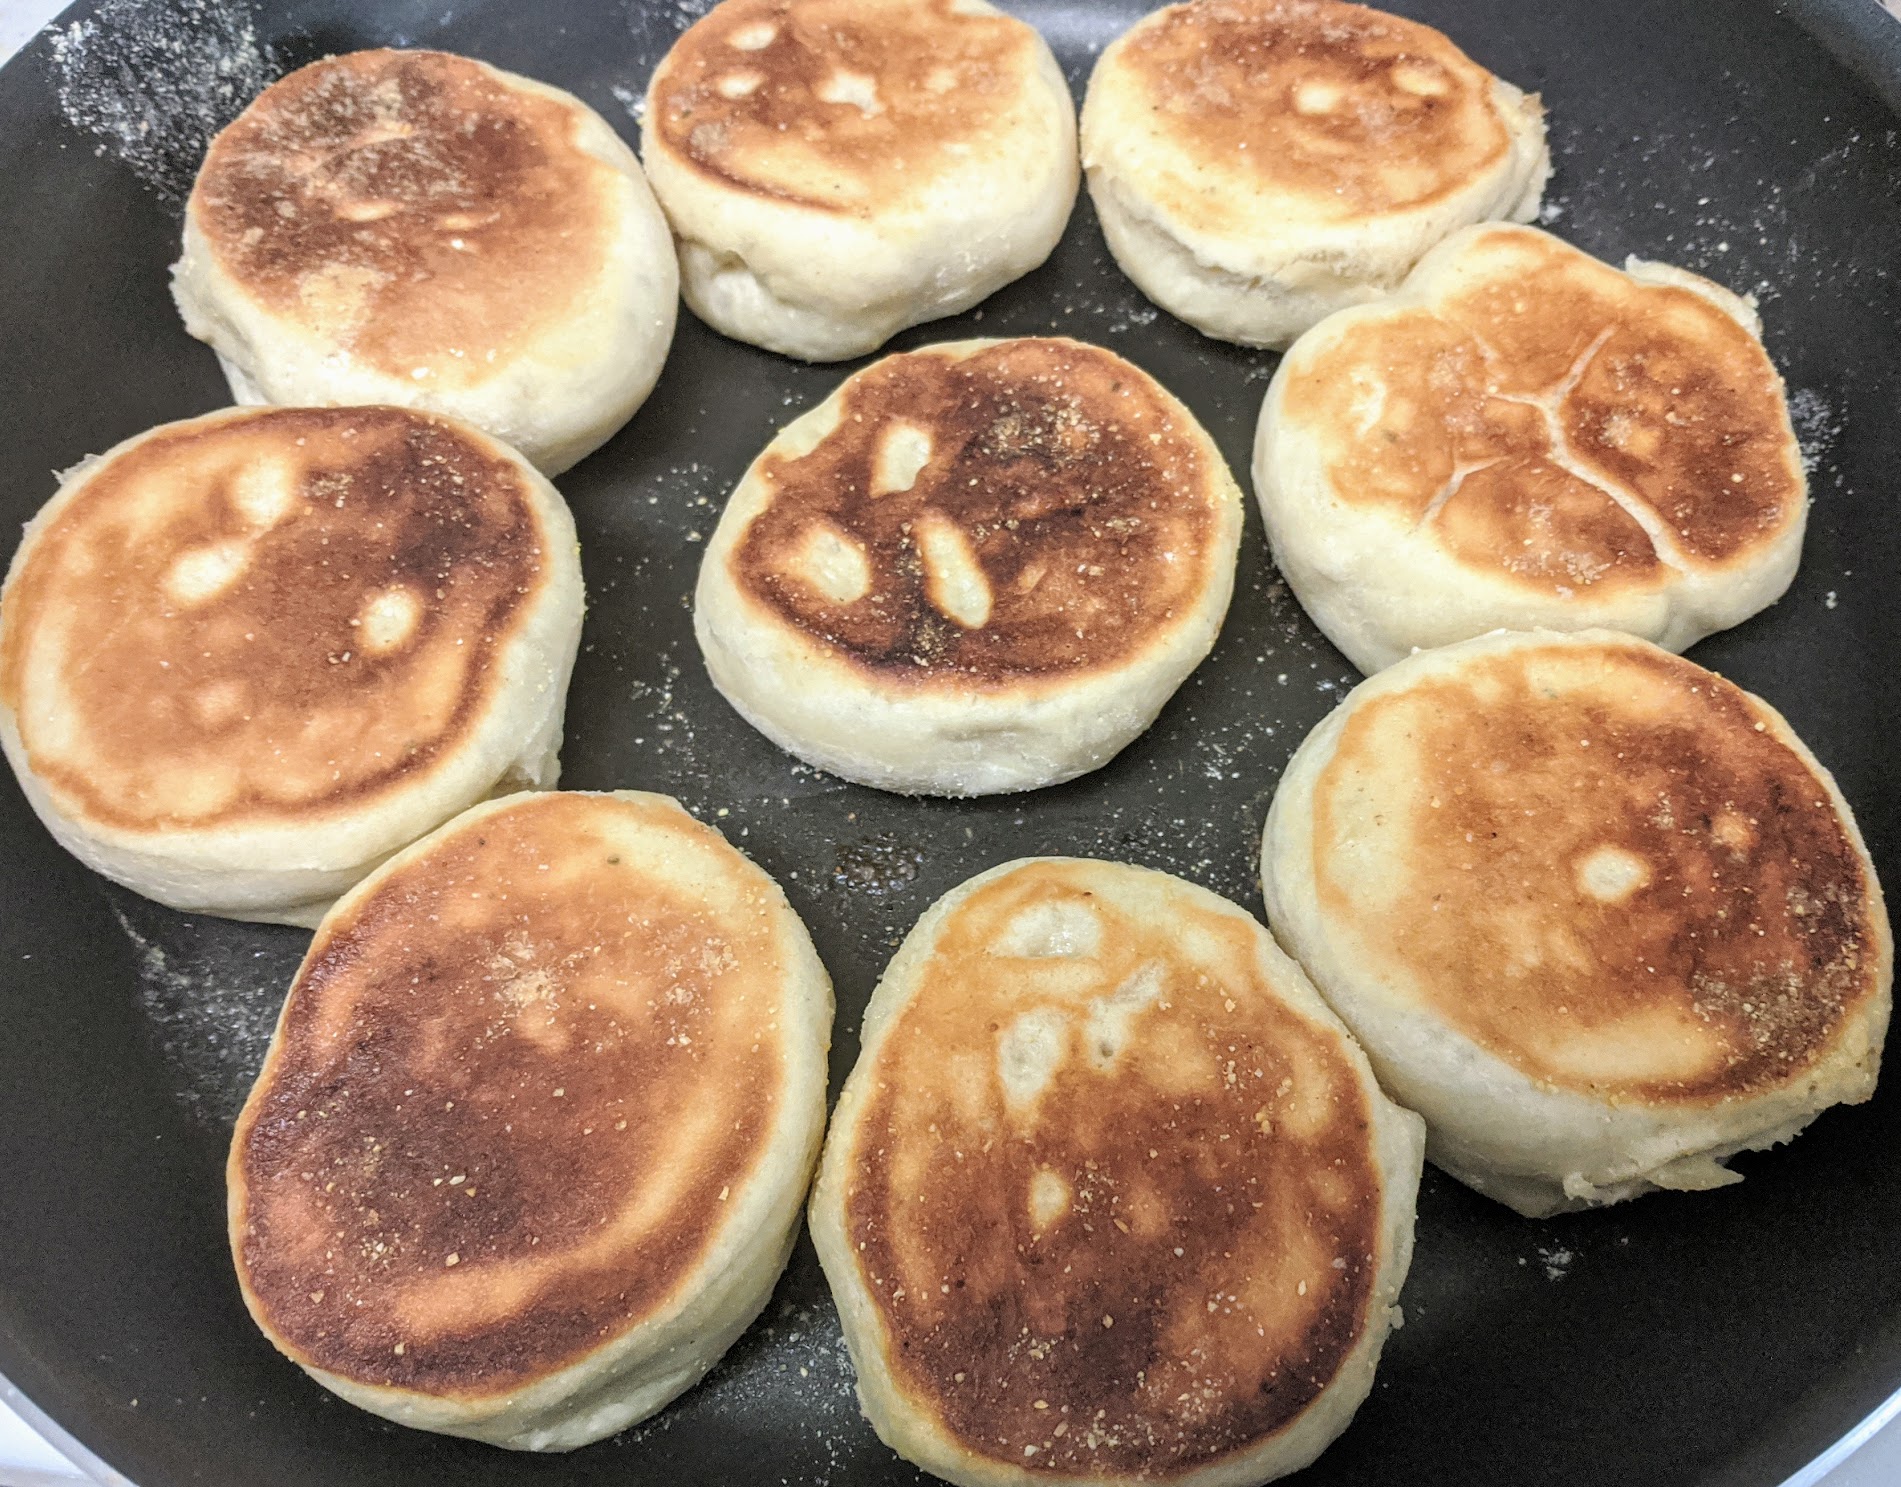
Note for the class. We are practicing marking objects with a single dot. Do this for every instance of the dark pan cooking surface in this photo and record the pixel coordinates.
(1719, 1338)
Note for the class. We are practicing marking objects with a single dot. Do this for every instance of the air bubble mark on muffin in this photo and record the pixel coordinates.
(200, 574)
(903, 452)
(1050, 1198)
(755, 36)
(953, 578)
(1611, 874)
(265, 490)
(1029, 1052)
(389, 620)
(833, 563)
(1106, 1030)
(1052, 928)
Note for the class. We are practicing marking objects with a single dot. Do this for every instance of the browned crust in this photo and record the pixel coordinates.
(412, 206)
(1087, 496)
(1215, 1263)
(269, 701)
(942, 78)
(1750, 941)
(1351, 110)
(1531, 419)
(484, 1069)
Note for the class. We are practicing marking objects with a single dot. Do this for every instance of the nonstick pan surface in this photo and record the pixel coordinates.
(1716, 1338)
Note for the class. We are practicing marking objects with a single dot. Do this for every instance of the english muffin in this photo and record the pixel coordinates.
(978, 567)
(1523, 438)
(836, 170)
(415, 228)
(1260, 164)
(1110, 1196)
(245, 657)
(1593, 911)
(528, 1147)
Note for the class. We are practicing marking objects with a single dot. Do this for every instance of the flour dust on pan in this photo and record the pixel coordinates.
(153, 80)
(210, 992)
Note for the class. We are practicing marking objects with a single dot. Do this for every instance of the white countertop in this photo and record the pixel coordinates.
(26, 1460)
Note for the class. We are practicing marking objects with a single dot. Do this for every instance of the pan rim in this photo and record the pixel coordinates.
(1862, 36)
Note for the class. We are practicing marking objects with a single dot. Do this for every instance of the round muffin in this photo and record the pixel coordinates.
(978, 567)
(1526, 438)
(528, 1148)
(245, 657)
(836, 170)
(424, 230)
(1110, 1196)
(1593, 911)
(1260, 164)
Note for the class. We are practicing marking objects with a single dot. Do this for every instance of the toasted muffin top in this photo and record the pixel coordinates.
(425, 212)
(848, 106)
(1113, 1194)
(987, 513)
(269, 616)
(521, 1084)
(1331, 113)
(1555, 423)
(1603, 864)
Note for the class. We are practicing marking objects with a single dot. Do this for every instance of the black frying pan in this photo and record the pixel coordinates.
(1716, 1338)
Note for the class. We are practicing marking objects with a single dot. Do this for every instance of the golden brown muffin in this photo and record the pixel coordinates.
(836, 170)
(977, 567)
(1526, 437)
(528, 1147)
(1110, 1196)
(1595, 912)
(418, 228)
(245, 657)
(1260, 164)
